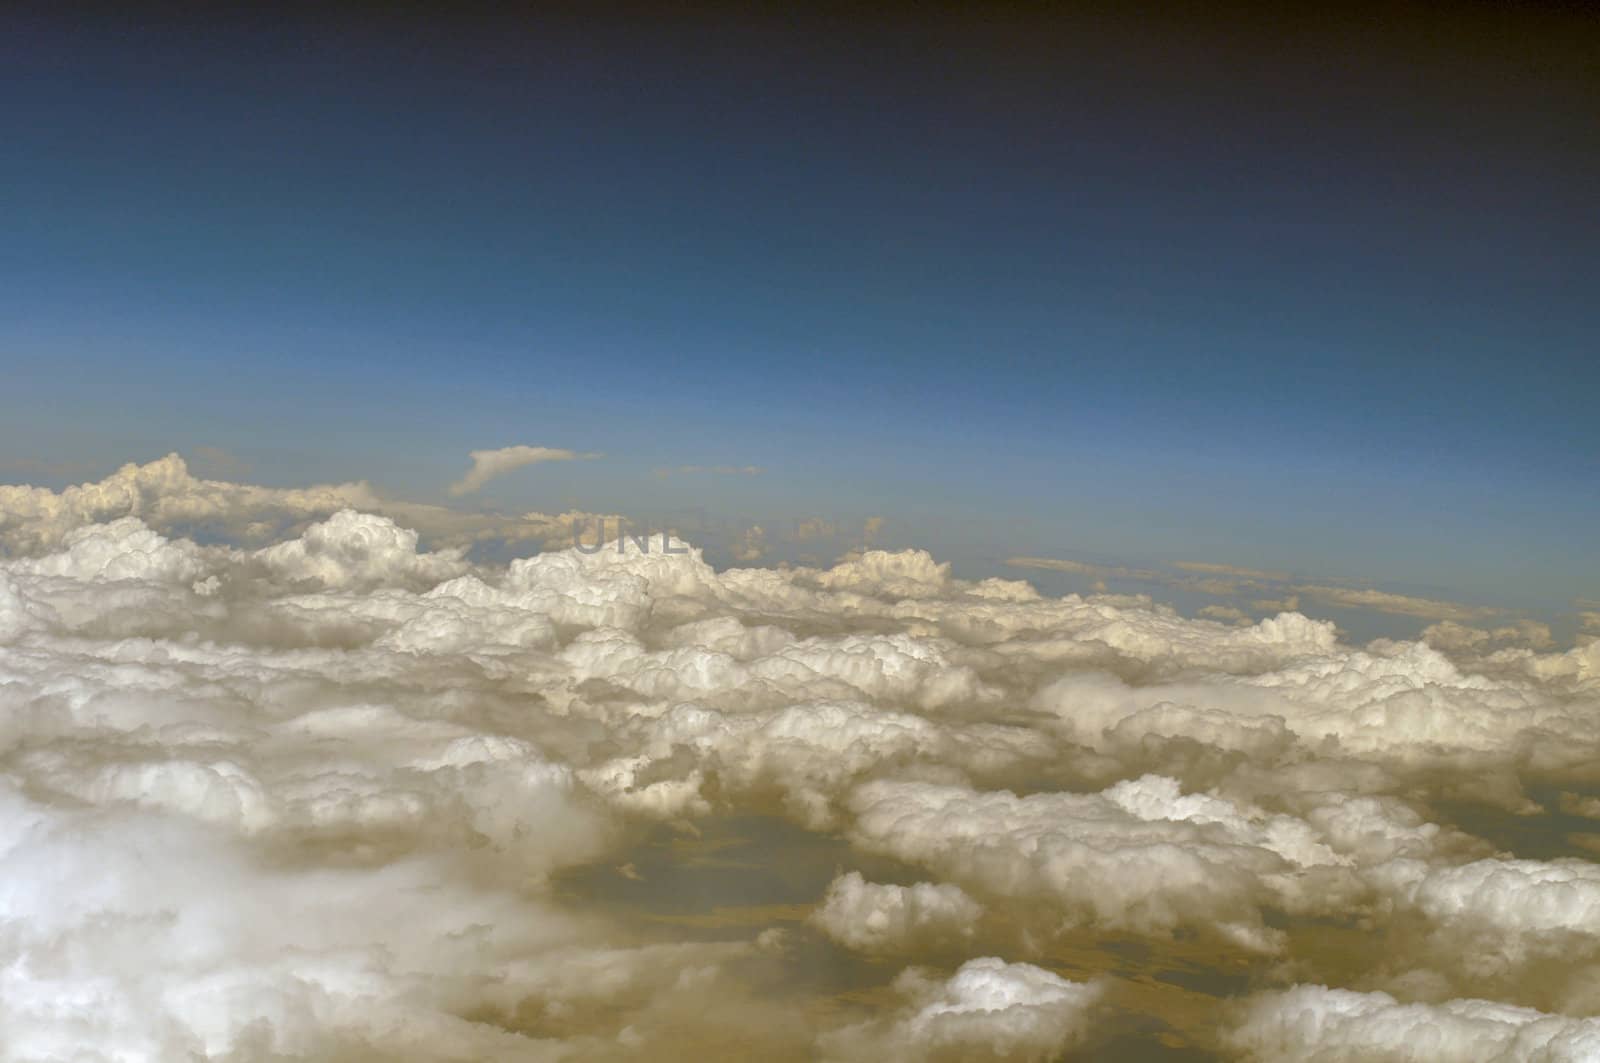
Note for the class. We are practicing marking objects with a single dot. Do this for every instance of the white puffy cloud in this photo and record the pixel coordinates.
(907, 574)
(291, 771)
(1315, 1024)
(355, 550)
(164, 495)
(487, 464)
(168, 498)
(874, 917)
(1407, 703)
(988, 1009)
(1139, 857)
(124, 549)
(1496, 920)
(146, 924)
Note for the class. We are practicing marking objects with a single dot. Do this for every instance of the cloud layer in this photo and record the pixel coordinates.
(288, 774)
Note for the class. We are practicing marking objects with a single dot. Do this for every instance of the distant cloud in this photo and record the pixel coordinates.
(487, 464)
(814, 528)
(1289, 601)
(1225, 612)
(1287, 604)
(751, 544)
(1213, 569)
(1083, 568)
(165, 495)
(1055, 564)
(1221, 588)
(1401, 604)
(1451, 637)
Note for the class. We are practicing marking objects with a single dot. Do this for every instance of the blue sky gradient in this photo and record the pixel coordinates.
(1318, 301)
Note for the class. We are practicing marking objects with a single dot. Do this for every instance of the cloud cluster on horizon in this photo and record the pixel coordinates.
(1264, 591)
(314, 785)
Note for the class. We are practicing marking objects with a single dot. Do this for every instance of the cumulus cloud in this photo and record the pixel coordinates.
(165, 495)
(1338, 1026)
(988, 1009)
(884, 918)
(297, 773)
(487, 464)
(1139, 857)
(169, 498)
(353, 549)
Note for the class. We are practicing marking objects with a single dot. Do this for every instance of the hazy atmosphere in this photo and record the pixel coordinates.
(922, 535)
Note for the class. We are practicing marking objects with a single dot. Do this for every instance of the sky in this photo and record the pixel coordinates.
(1111, 574)
(1294, 293)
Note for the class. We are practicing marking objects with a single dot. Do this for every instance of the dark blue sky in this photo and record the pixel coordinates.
(1278, 293)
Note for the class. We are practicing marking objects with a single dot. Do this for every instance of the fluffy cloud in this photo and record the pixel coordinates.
(1139, 857)
(1402, 703)
(164, 495)
(1315, 1023)
(358, 550)
(293, 773)
(168, 498)
(487, 464)
(988, 1009)
(882, 918)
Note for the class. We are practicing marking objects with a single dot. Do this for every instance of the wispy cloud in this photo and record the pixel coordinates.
(1083, 568)
(1226, 581)
(487, 464)
(1213, 569)
(1400, 604)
